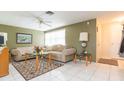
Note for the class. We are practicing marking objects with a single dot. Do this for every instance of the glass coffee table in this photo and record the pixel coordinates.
(39, 58)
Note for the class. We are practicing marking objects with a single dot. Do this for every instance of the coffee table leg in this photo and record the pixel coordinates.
(37, 63)
(75, 58)
(86, 60)
(49, 60)
(90, 59)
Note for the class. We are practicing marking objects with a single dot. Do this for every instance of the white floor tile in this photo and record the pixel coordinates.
(74, 72)
(7, 78)
(116, 73)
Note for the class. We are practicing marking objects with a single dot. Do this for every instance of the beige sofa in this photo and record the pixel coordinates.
(18, 54)
(58, 52)
(61, 53)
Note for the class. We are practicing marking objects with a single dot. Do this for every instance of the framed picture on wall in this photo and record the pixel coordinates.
(23, 38)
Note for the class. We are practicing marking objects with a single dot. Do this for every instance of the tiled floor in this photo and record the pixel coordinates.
(74, 72)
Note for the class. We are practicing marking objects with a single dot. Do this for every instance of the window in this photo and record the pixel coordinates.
(55, 37)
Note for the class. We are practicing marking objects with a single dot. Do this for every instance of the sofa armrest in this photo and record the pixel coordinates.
(15, 52)
(69, 51)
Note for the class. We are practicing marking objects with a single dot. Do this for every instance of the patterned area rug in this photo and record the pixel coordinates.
(108, 61)
(28, 70)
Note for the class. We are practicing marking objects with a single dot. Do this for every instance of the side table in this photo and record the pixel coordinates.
(87, 57)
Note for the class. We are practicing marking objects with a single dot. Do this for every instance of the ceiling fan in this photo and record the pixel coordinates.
(40, 20)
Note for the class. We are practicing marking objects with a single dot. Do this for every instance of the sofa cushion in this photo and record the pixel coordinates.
(14, 52)
(56, 52)
(56, 55)
(58, 47)
(24, 50)
(48, 48)
(69, 51)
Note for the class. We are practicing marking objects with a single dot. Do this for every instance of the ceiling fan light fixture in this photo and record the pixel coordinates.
(49, 12)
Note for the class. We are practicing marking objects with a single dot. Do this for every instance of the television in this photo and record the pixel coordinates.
(1, 40)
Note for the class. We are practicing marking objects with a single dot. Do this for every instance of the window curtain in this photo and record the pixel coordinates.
(55, 37)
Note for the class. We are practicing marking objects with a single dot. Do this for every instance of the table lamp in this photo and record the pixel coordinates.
(83, 38)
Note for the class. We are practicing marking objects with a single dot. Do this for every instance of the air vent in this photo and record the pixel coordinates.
(49, 12)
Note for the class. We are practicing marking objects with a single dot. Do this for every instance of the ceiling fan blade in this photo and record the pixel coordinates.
(36, 17)
(40, 20)
(46, 24)
(47, 21)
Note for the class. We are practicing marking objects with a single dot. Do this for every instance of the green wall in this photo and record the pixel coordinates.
(72, 36)
(73, 32)
(38, 36)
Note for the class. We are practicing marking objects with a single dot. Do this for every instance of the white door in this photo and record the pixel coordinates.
(116, 34)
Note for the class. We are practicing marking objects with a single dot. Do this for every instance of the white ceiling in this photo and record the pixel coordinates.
(26, 19)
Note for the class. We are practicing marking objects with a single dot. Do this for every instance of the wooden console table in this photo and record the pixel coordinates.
(87, 57)
(4, 61)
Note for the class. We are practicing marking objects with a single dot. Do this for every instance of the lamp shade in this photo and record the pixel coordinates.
(83, 36)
